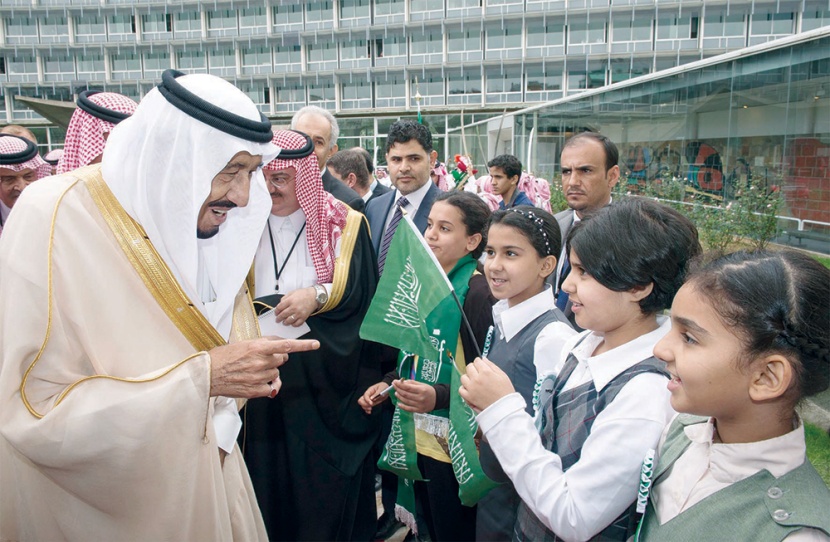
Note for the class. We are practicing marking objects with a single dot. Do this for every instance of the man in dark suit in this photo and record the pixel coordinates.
(322, 128)
(410, 161)
(350, 167)
(589, 173)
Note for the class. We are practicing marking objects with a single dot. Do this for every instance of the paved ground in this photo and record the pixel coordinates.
(816, 410)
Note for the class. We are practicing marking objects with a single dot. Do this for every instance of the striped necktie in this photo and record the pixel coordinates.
(390, 231)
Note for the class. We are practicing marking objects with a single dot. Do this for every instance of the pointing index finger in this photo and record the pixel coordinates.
(275, 345)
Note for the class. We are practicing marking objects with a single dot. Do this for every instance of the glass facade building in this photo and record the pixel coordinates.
(370, 61)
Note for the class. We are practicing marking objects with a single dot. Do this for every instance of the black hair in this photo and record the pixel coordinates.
(367, 156)
(508, 163)
(474, 214)
(634, 243)
(537, 225)
(777, 302)
(612, 154)
(406, 130)
(349, 161)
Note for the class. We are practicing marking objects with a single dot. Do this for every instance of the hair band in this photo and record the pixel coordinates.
(21, 156)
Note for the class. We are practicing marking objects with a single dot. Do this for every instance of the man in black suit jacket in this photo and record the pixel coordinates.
(409, 160)
(351, 168)
(589, 173)
(322, 128)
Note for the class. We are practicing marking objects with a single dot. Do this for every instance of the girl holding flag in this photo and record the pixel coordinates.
(428, 408)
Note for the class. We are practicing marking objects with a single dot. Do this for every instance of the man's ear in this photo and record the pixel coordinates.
(433, 156)
(351, 180)
(770, 377)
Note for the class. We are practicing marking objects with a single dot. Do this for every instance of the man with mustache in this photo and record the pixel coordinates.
(309, 450)
(590, 170)
(20, 165)
(127, 332)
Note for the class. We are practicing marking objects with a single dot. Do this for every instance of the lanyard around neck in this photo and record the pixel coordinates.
(277, 270)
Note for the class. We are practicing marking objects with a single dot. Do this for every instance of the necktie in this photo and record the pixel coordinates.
(562, 297)
(390, 231)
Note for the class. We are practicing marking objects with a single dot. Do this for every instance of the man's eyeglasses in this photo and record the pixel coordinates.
(279, 180)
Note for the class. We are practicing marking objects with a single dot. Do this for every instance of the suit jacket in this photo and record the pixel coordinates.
(566, 220)
(342, 192)
(378, 191)
(378, 209)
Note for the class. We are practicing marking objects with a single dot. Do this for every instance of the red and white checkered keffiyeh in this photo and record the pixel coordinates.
(11, 145)
(85, 134)
(53, 156)
(325, 216)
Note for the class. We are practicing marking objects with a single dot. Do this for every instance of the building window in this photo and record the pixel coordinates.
(192, 61)
(121, 27)
(319, 14)
(90, 28)
(721, 31)
(504, 86)
(464, 88)
(356, 94)
(155, 64)
(126, 66)
(256, 60)
(586, 32)
(544, 38)
(389, 10)
(187, 25)
(623, 69)
(91, 67)
(772, 25)
(222, 62)
(59, 67)
(20, 29)
(390, 51)
(426, 48)
(353, 10)
(288, 16)
(812, 19)
(544, 83)
(288, 57)
(426, 9)
(464, 44)
(322, 94)
(289, 96)
(677, 28)
(156, 26)
(22, 68)
(504, 42)
(631, 29)
(54, 29)
(586, 75)
(259, 94)
(222, 22)
(354, 53)
(322, 55)
(390, 91)
(252, 21)
(431, 87)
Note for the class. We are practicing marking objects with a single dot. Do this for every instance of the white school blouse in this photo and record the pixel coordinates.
(579, 503)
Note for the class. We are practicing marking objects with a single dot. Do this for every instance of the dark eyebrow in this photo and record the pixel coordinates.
(690, 325)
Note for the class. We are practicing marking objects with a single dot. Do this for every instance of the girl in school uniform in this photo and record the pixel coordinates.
(750, 338)
(456, 234)
(577, 469)
(522, 245)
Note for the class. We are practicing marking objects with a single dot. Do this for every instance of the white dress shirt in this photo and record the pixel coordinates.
(549, 343)
(707, 467)
(579, 503)
(299, 269)
(414, 198)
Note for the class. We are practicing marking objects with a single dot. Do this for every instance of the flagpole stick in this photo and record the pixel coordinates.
(467, 323)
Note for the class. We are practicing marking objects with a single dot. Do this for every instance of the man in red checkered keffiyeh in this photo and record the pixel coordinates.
(315, 265)
(20, 165)
(93, 120)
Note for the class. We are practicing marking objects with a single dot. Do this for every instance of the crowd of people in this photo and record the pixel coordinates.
(181, 357)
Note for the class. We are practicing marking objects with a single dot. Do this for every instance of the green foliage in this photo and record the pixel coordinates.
(823, 260)
(818, 450)
(558, 202)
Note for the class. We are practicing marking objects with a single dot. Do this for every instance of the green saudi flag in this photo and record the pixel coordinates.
(410, 288)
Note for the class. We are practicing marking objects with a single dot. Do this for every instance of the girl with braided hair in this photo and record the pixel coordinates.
(749, 339)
